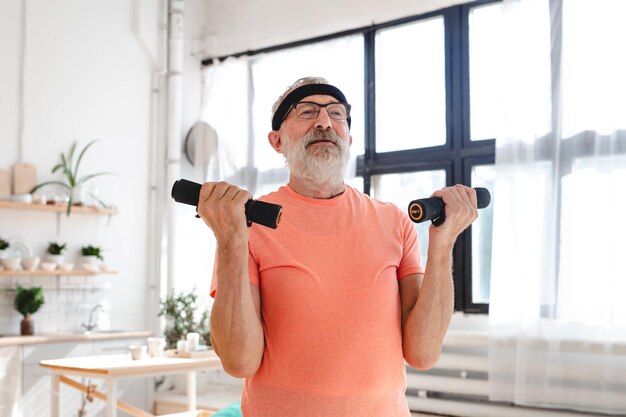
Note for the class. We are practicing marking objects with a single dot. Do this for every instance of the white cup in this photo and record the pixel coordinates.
(181, 346)
(156, 346)
(137, 352)
(193, 340)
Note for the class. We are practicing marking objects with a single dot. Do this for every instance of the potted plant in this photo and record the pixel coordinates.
(91, 254)
(27, 302)
(180, 313)
(55, 252)
(3, 245)
(72, 182)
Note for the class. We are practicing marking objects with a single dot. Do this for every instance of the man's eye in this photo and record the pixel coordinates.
(336, 114)
(307, 112)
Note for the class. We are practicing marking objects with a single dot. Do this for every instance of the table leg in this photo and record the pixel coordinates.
(54, 397)
(191, 390)
(111, 398)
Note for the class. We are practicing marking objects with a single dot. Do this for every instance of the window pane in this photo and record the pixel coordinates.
(486, 59)
(482, 176)
(410, 86)
(400, 189)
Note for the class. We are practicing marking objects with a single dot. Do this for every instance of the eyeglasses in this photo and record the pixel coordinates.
(309, 110)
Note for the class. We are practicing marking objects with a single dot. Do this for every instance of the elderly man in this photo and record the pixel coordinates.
(321, 314)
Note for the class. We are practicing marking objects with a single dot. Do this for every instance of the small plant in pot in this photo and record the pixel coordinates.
(91, 254)
(27, 302)
(73, 182)
(180, 313)
(55, 252)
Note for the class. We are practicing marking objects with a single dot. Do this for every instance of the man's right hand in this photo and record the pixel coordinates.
(222, 207)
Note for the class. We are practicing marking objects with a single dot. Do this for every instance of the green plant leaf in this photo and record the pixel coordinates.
(28, 300)
(80, 156)
(90, 176)
(66, 171)
(70, 156)
(38, 186)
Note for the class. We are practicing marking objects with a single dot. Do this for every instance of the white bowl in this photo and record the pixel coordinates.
(66, 266)
(48, 266)
(12, 264)
(88, 266)
(30, 264)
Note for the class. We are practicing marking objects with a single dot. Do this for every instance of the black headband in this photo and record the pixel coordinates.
(302, 92)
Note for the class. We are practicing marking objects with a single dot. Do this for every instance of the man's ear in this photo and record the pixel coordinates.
(275, 140)
(350, 141)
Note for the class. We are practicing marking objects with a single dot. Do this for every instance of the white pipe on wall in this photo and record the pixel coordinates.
(155, 210)
(174, 122)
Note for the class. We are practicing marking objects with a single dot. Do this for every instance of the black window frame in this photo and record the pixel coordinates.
(459, 153)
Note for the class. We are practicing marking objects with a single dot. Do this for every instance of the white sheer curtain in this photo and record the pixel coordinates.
(558, 289)
(237, 100)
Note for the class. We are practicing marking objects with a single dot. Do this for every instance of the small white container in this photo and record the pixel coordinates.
(66, 266)
(156, 346)
(12, 264)
(30, 264)
(138, 352)
(181, 346)
(193, 340)
(22, 198)
(48, 266)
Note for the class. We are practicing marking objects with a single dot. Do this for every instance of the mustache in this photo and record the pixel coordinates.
(321, 135)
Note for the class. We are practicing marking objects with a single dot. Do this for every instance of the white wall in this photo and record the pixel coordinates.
(237, 26)
(85, 77)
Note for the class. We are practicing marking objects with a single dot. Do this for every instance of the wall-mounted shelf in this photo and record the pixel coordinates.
(57, 208)
(39, 273)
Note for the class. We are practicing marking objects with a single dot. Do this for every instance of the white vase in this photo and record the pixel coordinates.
(78, 195)
(57, 259)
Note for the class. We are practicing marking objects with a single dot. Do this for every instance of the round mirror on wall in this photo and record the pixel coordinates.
(200, 144)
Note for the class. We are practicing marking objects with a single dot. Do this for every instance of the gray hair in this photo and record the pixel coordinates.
(298, 83)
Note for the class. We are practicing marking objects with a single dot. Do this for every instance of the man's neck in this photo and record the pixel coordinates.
(307, 188)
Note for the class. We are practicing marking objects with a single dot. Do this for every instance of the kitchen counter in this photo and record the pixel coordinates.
(67, 336)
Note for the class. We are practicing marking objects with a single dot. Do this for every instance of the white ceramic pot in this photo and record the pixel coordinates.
(91, 259)
(56, 259)
(11, 264)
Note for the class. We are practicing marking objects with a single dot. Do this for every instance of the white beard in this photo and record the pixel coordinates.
(317, 164)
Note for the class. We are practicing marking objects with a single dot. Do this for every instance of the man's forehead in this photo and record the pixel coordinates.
(320, 98)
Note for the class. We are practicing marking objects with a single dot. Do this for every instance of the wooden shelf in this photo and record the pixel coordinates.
(39, 273)
(57, 208)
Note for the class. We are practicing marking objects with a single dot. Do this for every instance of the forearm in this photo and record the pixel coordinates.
(236, 329)
(426, 324)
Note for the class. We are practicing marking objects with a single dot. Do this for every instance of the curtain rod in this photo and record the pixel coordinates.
(250, 52)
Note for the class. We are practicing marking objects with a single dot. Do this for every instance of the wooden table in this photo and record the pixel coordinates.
(114, 367)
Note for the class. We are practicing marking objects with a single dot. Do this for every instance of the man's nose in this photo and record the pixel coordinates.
(323, 120)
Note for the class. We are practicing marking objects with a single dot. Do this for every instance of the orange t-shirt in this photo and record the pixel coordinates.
(330, 306)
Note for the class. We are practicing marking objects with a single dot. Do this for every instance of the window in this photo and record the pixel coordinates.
(434, 118)
(424, 93)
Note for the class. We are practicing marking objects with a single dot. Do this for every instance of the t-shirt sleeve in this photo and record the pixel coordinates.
(411, 262)
(253, 272)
